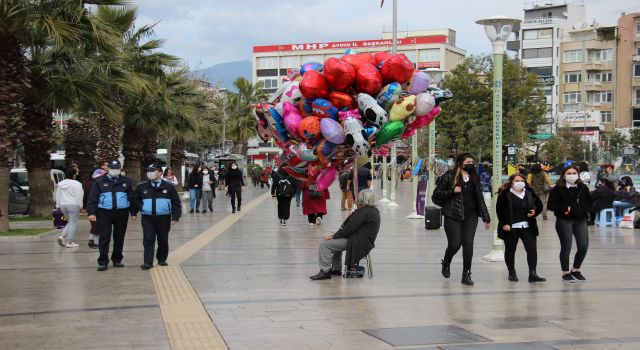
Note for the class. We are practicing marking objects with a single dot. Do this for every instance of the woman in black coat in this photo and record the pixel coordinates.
(517, 208)
(357, 236)
(234, 184)
(194, 184)
(459, 194)
(602, 197)
(570, 202)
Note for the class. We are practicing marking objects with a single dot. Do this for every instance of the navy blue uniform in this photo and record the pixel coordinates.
(159, 204)
(110, 201)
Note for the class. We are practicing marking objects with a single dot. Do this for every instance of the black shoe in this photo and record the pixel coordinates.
(233, 211)
(466, 278)
(355, 272)
(102, 268)
(238, 208)
(446, 272)
(191, 211)
(163, 263)
(95, 246)
(321, 276)
(336, 272)
(568, 278)
(197, 210)
(118, 264)
(204, 212)
(513, 277)
(146, 266)
(210, 208)
(534, 278)
(577, 275)
(91, 244)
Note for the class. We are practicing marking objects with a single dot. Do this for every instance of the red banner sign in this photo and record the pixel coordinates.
(436, 39)
(432, 64)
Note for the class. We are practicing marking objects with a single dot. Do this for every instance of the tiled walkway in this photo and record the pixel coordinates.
(253, 281)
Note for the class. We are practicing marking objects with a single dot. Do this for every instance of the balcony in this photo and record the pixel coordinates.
(593, 85)
(636, 58)
(593, 104)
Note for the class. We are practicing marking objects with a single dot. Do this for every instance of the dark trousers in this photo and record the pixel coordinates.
(155, 226)
(460, 233)
(110, 221)
(235, 192)
(567, 229)
(284, 207)
(312, 217)
(511, 243)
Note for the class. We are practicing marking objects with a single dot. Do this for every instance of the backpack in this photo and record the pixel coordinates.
(285, 188)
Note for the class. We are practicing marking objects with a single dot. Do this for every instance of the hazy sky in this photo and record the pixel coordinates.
(207, 32)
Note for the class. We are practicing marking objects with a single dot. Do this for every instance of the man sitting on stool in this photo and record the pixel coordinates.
(160, 205)
(356, 235)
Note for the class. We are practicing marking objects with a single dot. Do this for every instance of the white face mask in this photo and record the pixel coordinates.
(151, 175)
(114, 172)
(571, 178)
(518, 185)
(205, 172)
(234, 167)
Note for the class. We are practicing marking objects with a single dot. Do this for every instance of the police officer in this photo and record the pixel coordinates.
(160, 205)
(109, 206)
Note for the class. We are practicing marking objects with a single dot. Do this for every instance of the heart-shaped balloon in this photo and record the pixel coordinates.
(379, 57)
(341, 100)
(389, 132)
(419, 82)
(424, 103)
(368, 79)
(332, 130)
(396, 68)
(309, 66)
(358, 60)
(339, 74)
(403, 108)
(326, 178)
(323, 109)
(313, 85)
(292, 118)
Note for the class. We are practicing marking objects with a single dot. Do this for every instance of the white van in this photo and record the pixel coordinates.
(21, 177)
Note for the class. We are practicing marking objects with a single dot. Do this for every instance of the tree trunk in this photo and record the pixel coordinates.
(177, 159)
(37, 147)
(149, 152)
(4, 199)
(108, 148)
(80, 141)
(132, 142)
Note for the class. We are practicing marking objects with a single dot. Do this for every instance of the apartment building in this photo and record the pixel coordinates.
(627, 92)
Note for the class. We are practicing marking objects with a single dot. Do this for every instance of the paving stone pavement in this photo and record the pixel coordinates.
(253, 281)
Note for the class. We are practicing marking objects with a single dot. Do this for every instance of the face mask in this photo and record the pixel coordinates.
(470, 168)
(205, 172)
(114, 172)
(571, 178)
(234, 167)
(518, 186)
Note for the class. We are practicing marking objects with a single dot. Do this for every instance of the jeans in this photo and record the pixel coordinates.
(72, 212)
(460, 233)
(284, 207)
(330, 254)
(298, 196)
(195, 194)
(511, 243)
(567, 229)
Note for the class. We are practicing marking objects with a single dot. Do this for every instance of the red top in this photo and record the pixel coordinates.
(313, 205)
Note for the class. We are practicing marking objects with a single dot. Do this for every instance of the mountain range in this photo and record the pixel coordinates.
(223, 74)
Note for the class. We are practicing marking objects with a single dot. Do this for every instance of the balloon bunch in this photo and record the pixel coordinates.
(327, 117)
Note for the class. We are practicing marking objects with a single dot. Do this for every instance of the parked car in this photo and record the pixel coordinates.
(19, 199)
(21, 177)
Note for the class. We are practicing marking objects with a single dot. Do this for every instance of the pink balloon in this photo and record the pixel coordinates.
(292, 118)
(326, 178)
(420, 122)
(342, 115)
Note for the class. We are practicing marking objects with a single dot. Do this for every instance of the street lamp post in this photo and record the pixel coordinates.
(394, 146)
(498, 29)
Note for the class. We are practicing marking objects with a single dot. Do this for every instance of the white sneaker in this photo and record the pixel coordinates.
(311, 223)
(72, 245)
(284, 222)
(61, 241)
(318, 220)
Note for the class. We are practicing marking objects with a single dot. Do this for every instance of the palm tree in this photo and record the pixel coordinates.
(240, 121)
(80, 140)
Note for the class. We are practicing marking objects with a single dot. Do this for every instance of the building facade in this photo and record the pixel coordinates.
(627, 93)
(426, 48)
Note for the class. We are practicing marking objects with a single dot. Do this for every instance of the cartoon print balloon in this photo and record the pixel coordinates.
(354, 136)
(310, 128)
(371, 110)
(368, 79)
(279, 125)
(343, 115)
(323, 109)
(323, 150)
(341, 100)
(339, 74)
(403, 108)
(332, 130)
(388, 95)
(313, 85)
(292, 93)
(309, 66)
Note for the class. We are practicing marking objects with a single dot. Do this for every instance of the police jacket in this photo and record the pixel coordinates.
(163, 200)
(452, 204)
(111, 194)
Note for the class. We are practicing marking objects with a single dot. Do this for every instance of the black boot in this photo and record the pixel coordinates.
(513, 276)
(466, 278)
(321, 276)
(446, 272)
(533, 277)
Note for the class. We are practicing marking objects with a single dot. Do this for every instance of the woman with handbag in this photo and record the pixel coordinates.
(540, 183)
(69, 198)
(314, 203)
(517, 208)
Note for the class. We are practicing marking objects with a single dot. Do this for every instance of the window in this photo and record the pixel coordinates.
(599, 96)
(429, 55)
(600, 55)
(267, 62)
(572, 77)
(572, 97)
(635, 121)
(544, 52)
(573, 56)
(311, 58)
(289, 62)
(637, 96)
(533, 34)
(605, 116)
(571, 107)
(269, 83)
(637, 27)
(411, 55)
(600, 77)
(636, 70)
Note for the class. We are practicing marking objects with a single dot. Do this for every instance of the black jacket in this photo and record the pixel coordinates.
(560, 199)
(504, 209)
(163, 200)
(194, 179)
(451, 202)
(360, 229)
(234, 179)
(602, 198)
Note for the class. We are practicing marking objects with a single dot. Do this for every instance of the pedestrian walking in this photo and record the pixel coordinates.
(284, 188)
(94, 235)
(159, 205)
(109, 206)
(314, 203)
(209, 183)
(459, 193)
(222, 175)
(169, 177)
(264, 178)
(69, 198)
(570, 202)
(517, 208)
(194, 184)
(235, 185)
(255, 176)
(540, 183)
(347, 196)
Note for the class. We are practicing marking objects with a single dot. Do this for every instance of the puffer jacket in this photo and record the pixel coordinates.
(451, 202)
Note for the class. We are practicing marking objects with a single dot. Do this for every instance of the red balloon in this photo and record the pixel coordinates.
(381, 56)
(359, 59)
(313, 85)
(341, 100)
(368, 79)
(397, 68)
(339, 74)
